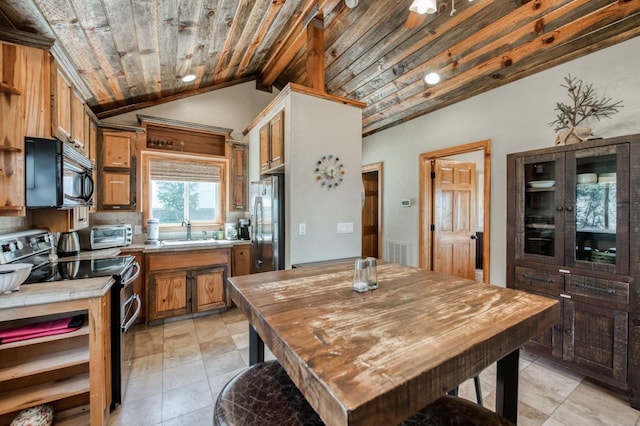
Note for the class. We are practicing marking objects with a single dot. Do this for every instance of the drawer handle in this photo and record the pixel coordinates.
(535, 278)
(116, 181)
(591, 287)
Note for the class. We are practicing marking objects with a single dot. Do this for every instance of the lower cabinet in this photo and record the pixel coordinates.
(241, 262)
(592, 336)
(180, 283)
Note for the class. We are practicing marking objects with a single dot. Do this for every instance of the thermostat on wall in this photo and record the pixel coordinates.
(407, 202)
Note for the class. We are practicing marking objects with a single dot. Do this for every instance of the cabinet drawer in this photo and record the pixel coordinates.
(538, 279)
(597, 288)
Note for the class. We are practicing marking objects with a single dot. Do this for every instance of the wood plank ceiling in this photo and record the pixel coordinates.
(131, 53)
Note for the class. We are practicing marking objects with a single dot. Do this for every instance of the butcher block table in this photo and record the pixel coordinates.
(378, 357)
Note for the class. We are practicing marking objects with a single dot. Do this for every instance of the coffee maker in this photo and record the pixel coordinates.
(243, 229)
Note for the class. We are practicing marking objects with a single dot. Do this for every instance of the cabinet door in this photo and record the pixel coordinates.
(116, 149)
(276, 137)
(77, 122)
(238, 181)
(596, 338)
(169, 294)
(62, 102)
(597, 209)
(241, 261)
(79, 218)
(209, 289)
(116, 189)
(264, 149)
(539, 221)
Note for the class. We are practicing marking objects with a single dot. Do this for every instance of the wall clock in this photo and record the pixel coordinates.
(329, 171)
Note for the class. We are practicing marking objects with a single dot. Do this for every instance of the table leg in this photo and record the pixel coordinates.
(256, 347)
(507, 386)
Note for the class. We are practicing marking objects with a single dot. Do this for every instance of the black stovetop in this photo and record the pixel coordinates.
(79, 269)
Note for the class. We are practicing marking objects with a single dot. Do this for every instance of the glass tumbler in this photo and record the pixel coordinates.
(372, 278)
(361, 276)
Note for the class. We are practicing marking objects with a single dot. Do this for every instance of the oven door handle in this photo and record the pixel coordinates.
(133, 277)
(132, 320)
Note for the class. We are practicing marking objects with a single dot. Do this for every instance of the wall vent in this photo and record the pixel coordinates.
(398, 252)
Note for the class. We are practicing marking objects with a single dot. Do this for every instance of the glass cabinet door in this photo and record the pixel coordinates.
(539, 236)
(597, 208)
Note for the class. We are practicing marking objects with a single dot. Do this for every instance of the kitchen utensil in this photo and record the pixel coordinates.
(12, 275)
(68, 244)
(542, 183)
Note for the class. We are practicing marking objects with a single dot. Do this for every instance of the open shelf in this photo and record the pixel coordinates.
(43, 393)
(6, 88)
(82, 331)
(45, 363)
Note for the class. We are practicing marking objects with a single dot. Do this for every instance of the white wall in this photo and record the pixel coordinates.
(232, 107)
(315, 127)
(515, 118)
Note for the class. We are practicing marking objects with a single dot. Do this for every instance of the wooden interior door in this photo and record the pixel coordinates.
(454, 201)
(370, 215)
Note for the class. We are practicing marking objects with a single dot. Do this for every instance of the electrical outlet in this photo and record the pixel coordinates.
(302, 229)
(137, 229)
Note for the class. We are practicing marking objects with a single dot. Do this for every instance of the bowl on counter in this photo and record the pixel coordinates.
(12, 275)
(542, 183)
(587, 178)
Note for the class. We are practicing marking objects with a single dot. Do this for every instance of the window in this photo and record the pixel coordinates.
(183, 187)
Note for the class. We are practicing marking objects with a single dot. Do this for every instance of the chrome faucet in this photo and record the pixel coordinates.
(186, 223)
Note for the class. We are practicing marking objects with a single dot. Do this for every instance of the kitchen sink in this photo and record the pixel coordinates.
(182, 243)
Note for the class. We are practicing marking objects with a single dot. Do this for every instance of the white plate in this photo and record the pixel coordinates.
(606, 179)
(542, 183)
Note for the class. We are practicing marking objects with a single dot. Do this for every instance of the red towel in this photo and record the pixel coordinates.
(46, 328)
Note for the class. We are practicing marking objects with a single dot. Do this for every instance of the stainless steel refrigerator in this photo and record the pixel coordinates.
(267, 221)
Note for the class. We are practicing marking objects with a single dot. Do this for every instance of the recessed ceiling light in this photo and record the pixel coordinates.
(432, 78)
(189, 77)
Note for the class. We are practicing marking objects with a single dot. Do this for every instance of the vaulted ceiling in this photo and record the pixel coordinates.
(130, 54)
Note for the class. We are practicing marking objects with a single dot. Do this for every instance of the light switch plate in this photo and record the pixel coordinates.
(345, 228)
(302, 229)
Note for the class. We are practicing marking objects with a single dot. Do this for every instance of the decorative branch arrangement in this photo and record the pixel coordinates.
(585, 104)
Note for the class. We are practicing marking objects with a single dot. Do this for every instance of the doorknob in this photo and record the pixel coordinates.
(473, 237)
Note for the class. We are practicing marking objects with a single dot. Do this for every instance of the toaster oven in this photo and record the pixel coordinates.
(107, 236)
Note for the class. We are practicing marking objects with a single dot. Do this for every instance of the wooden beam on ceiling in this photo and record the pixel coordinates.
(315, 54)
(293, 41)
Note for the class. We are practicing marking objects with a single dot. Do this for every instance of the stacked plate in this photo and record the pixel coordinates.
(588, 178)
(607, 178)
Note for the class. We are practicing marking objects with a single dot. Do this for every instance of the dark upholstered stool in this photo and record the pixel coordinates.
(264, 395)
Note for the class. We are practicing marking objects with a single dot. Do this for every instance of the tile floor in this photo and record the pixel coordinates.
(180, 367)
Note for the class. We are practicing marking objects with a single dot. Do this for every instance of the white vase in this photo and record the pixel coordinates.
(573, 135)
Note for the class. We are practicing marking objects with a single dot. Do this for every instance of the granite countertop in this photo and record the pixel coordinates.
(184, 246)
(57, 291)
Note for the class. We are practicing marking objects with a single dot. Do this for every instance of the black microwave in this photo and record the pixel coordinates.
(56, 175)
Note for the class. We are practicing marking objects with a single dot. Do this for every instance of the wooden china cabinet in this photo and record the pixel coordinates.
(574, 235)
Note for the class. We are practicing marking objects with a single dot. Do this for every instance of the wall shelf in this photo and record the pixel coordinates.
(6, 88)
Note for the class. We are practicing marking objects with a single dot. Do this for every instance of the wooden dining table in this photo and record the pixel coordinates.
(375, 358)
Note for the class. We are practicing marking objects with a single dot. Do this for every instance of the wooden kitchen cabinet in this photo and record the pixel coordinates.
(572, 235)
(241, 260)
(272, 145)
(116, 170)
(61, 103)
(210, 291)
(239, 176)
(186, 282)
(63, 220)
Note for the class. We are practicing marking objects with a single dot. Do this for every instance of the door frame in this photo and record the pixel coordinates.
(426, 196)
(376, 167)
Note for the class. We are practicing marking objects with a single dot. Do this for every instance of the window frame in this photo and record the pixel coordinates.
(222, 162)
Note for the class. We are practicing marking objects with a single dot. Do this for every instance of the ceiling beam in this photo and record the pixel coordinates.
(315, 54)
(294, 41)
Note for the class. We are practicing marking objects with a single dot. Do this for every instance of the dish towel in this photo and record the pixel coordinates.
(40, 329)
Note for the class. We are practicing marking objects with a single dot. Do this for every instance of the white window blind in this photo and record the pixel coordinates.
(184, 171)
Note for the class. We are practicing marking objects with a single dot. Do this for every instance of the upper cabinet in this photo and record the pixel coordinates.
(24, 110)
(272, 145)
(117, 169)
(573, 210)
(239, 176)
